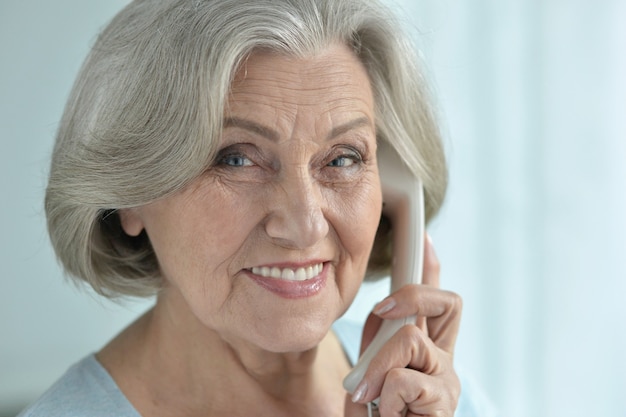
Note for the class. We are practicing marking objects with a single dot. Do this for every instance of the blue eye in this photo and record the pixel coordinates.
(341, 162)
(235, 161)
(345, 156)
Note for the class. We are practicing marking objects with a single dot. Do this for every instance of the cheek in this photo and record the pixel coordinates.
(199, 238)
(199, 243)
(356, 221)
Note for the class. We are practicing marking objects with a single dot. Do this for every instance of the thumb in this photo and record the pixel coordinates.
(432, 268)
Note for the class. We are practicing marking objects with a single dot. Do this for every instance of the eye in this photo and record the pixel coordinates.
(345, 158)
(342, 162)
(235, 156)
(235, 161)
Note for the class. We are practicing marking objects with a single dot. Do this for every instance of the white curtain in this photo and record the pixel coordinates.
(533, 101)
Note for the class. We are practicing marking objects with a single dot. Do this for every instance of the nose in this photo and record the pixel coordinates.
(296, 218)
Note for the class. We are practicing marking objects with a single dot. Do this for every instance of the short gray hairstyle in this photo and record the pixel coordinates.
(146, 111)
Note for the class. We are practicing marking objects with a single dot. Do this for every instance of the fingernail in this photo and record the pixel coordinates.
(359, 392)
(430, 246)
(385, 306)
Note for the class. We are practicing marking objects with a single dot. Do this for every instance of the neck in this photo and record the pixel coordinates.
(177, 358)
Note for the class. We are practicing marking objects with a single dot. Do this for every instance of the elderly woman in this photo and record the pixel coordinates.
(221, 155)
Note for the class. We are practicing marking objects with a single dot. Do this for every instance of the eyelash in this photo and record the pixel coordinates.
(223, 160)
(225, 157)
(354, 156)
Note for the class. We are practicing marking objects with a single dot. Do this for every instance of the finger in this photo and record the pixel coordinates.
(441, 308)
(418, 394)
(404, 387)
(430, 273)
(416, 299)
(408, 347)
(432, 267)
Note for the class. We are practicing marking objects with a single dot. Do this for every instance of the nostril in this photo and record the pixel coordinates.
(296, 210)
(296, 228)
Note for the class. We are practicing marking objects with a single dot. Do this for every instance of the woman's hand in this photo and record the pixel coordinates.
(413, 372)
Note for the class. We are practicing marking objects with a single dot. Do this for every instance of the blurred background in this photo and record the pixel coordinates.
(532, 97)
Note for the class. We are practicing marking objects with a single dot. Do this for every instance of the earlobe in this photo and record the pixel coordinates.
(131, 221)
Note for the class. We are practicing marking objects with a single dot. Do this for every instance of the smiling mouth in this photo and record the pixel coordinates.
(289, 274)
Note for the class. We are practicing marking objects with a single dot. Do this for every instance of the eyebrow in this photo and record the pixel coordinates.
(254, 127)
(273, 135)
(351, 125)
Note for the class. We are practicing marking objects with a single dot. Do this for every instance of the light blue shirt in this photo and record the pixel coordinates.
(87, 389)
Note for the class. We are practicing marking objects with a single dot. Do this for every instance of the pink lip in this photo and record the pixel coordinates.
(292, 289)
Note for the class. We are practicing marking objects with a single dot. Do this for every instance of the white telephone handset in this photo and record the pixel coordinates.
(403, 199)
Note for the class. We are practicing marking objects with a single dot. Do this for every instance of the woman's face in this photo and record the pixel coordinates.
(269, 246)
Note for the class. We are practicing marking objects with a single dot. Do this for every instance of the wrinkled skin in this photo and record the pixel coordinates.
(294, 186)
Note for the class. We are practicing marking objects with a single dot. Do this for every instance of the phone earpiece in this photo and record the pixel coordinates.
(403, 198)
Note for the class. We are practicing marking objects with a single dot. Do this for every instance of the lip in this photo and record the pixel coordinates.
(292, 289)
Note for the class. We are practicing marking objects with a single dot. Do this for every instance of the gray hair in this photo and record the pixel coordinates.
(145, 115)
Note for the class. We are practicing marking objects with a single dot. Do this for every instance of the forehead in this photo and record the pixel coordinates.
(331, 80)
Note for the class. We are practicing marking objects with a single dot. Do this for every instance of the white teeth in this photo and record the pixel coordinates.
(300, 274)
(288, 274)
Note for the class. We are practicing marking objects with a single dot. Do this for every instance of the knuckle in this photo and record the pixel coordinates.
(455, 301)
(411, 335)
(396, 377)
(455, 389)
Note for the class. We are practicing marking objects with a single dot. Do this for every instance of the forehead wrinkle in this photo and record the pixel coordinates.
(324, 92)
(326, 75)
(297, 95)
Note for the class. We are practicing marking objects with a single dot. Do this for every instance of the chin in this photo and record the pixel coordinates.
(293, 338)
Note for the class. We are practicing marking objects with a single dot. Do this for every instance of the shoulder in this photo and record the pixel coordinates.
(86, 389)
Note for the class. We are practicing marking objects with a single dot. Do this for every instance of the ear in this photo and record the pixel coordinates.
(131, 221)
